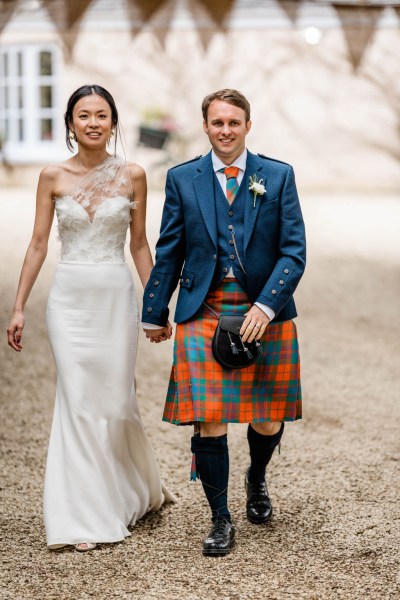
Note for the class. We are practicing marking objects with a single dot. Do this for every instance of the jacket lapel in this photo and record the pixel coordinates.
(254, 166)
(204, 187)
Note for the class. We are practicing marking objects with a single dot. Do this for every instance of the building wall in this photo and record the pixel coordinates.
(339, 128)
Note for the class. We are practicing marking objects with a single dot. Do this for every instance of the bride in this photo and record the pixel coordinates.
(101, 473)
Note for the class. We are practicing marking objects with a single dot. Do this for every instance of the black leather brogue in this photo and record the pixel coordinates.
(221, 538)
(258, 505)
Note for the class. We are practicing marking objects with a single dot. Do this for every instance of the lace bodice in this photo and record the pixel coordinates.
(94, 216)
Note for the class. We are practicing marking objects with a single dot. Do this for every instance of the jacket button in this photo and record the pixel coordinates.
(232, 257)
(187, 280)
(230, 227)
(156, 283)
(231, 242)
(225, 270)
(149, 309)
(286, 271)
(273, 291)
(151, 295)
(215, 257)
(281, 282)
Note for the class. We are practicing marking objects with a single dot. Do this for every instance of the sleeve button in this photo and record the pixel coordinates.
(149, 310)
(273, 292)
(281, 282)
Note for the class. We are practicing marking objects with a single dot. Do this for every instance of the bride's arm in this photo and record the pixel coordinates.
(35, 254)
(139, 245)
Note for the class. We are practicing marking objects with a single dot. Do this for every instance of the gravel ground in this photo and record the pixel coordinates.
(335, 530)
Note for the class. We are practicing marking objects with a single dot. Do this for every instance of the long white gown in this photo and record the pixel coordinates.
(101, 473)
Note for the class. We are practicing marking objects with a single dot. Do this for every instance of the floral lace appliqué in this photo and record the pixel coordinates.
(93, 218)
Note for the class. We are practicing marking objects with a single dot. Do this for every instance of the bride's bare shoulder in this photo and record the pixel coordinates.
(136, 172)
(51, 173)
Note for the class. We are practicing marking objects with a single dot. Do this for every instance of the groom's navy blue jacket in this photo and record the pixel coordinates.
(273, 242)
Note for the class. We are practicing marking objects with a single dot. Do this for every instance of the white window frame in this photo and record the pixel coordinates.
(31, 149)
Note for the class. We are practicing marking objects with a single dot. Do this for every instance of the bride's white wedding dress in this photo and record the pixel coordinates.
(101, 473)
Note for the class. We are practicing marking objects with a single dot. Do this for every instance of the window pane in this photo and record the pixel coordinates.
(5, 65)
(20, 64)
(20, 130)
(20, 96)
(46, 67)
(6, 98)
(46, 96)
(46, 129)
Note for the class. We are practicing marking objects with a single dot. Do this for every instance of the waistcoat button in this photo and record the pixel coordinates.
(151, 295)
(232, 257)
(230, 213)
(149, 309)
(231, 242)
(156, 283)
(286, 271)
(230, 227)
(225, 270)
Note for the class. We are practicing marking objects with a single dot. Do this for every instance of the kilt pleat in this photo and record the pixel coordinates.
(201, 390)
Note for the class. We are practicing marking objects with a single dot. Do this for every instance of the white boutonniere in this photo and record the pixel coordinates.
(256, 186)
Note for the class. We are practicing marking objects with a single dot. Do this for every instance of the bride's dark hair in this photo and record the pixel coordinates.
(81, 92)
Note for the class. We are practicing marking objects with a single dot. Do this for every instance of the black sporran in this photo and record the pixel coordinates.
(227, 346)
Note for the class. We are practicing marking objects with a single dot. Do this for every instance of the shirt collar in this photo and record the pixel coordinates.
(240, 162)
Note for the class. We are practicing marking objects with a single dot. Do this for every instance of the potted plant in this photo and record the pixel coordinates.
(156, 128)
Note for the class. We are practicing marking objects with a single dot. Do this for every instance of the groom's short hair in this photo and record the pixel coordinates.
(231, 97)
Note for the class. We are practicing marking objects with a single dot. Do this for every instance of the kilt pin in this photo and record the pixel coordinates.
(230, 255)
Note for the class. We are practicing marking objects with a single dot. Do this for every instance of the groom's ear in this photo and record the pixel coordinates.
(205, 127)
(248, 126)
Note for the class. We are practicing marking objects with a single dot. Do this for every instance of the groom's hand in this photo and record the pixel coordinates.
(159, 335)
(254, 325)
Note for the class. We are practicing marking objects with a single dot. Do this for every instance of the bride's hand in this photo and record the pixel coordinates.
(159, 335)
(14, 331)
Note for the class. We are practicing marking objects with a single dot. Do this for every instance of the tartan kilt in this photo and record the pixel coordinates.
(200, 389)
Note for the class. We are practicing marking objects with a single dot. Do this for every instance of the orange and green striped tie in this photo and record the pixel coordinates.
(232, 185)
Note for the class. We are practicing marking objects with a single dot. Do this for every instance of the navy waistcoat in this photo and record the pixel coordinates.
(228, 217)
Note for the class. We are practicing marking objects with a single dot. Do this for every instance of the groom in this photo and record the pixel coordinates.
(243, 251)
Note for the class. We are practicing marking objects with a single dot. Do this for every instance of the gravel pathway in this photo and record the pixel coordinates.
(335, 531)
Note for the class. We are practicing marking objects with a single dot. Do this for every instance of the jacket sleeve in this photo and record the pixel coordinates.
(291, 262)
(170, 255)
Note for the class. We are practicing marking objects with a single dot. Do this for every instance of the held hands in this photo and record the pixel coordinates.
(14, 331)
(254, 325)
(159, 335)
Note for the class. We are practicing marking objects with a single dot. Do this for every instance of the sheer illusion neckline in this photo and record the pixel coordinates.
(107, 180)
(78, 183)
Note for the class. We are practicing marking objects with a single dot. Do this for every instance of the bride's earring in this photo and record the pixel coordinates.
(72, 136)
(111, 134)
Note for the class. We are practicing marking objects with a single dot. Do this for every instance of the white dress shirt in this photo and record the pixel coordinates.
(217, 163)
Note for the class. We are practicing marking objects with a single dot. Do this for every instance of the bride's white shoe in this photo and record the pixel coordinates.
(85, 546)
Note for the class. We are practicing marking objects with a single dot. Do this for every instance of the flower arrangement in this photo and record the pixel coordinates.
(158, 118)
